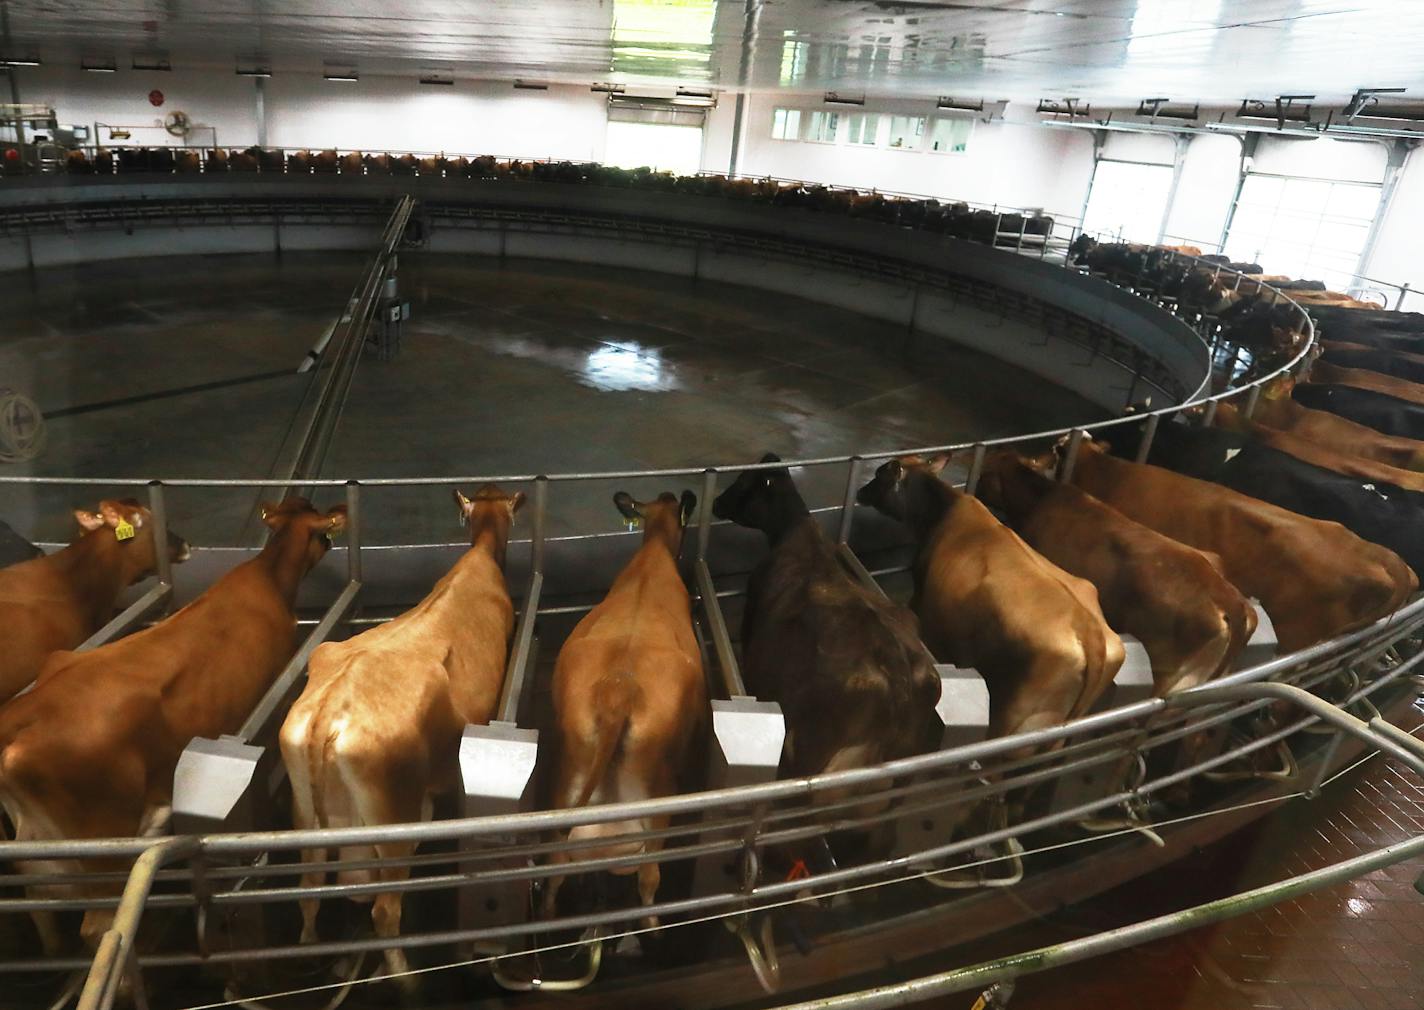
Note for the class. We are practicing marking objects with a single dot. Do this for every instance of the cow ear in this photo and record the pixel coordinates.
(627, 507)
(464, 505)
(895, 470)
(114, 515)
(516, 502)
(88, 521)
(936, 463)
(270, 514)
(687, 506)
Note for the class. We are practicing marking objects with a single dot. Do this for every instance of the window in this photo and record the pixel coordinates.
(951, 136)
(1128, 200)
(906, 131)
(786, 124)
(863, 128)
(821, 127)
(1313, 229)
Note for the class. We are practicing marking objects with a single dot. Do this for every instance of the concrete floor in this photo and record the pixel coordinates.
(520, 367)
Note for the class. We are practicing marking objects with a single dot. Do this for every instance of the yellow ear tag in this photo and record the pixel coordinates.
(634, 523)
(124, 530)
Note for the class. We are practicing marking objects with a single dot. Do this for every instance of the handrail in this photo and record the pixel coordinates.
(345, 352)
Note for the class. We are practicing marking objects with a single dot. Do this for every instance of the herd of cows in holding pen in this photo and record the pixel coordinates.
(1309, 503)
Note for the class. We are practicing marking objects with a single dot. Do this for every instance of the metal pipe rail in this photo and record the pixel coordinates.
(788, 793)
(776, 812)
(113, 953)
(345, 352)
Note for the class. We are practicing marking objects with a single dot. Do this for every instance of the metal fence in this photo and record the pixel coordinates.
(1137, 753)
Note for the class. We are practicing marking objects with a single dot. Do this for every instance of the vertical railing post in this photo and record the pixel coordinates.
(1252, 399)
(353, 531)
(704, 511)
(1403, 291)
(848, 502)
(1070, 458)
(1210, 414)
(1144, 447)
(158, 509)
(541, 508)
(976, 468)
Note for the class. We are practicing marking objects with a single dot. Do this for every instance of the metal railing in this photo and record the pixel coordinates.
(226, 872)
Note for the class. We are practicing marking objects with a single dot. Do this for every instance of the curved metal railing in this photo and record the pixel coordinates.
(742, 826)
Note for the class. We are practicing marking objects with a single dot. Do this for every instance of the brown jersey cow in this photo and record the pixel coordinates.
(987, 600)
(629, 693)
(57, 601)
(376, 732)
(1276, 409)
(90, 752)
(1315, 579)
(1316, 454)
(1361, 378)
(1171, 597)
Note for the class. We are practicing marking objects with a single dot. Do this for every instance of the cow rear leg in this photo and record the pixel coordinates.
(309, 906)
(48, 929)
(649, 876)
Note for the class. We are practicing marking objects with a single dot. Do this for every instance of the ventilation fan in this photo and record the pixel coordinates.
(177, 123)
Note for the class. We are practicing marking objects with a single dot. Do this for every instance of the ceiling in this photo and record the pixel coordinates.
(1101, 51)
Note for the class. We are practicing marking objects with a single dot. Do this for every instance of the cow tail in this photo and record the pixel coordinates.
(613, 700)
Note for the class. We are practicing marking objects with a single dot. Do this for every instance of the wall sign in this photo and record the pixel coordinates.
(155, 97)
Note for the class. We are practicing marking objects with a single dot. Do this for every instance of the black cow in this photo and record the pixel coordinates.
(846, 664)
(1388, 414)
(1373, 510)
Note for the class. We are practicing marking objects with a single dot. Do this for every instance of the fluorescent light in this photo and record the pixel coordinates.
(342, 77)
(13, 61)
(99, 68)
(254, 72)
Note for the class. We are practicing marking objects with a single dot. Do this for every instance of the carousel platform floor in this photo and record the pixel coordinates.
(1358, 946)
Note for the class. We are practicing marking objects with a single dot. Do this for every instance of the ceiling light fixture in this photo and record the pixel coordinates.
(530, 86)
(99, 66)
(835, 98)
(341, 74)
(19, 61)
(438, 77)
(254, 72)
(152, 61)
(608, 89)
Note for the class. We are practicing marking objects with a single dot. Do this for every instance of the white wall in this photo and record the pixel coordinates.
(1005, 163)
(1205, 189)
(1398, 256)
(468, 117)
(223, 101)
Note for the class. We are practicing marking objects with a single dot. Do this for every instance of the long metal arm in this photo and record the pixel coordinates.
(282, 686)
